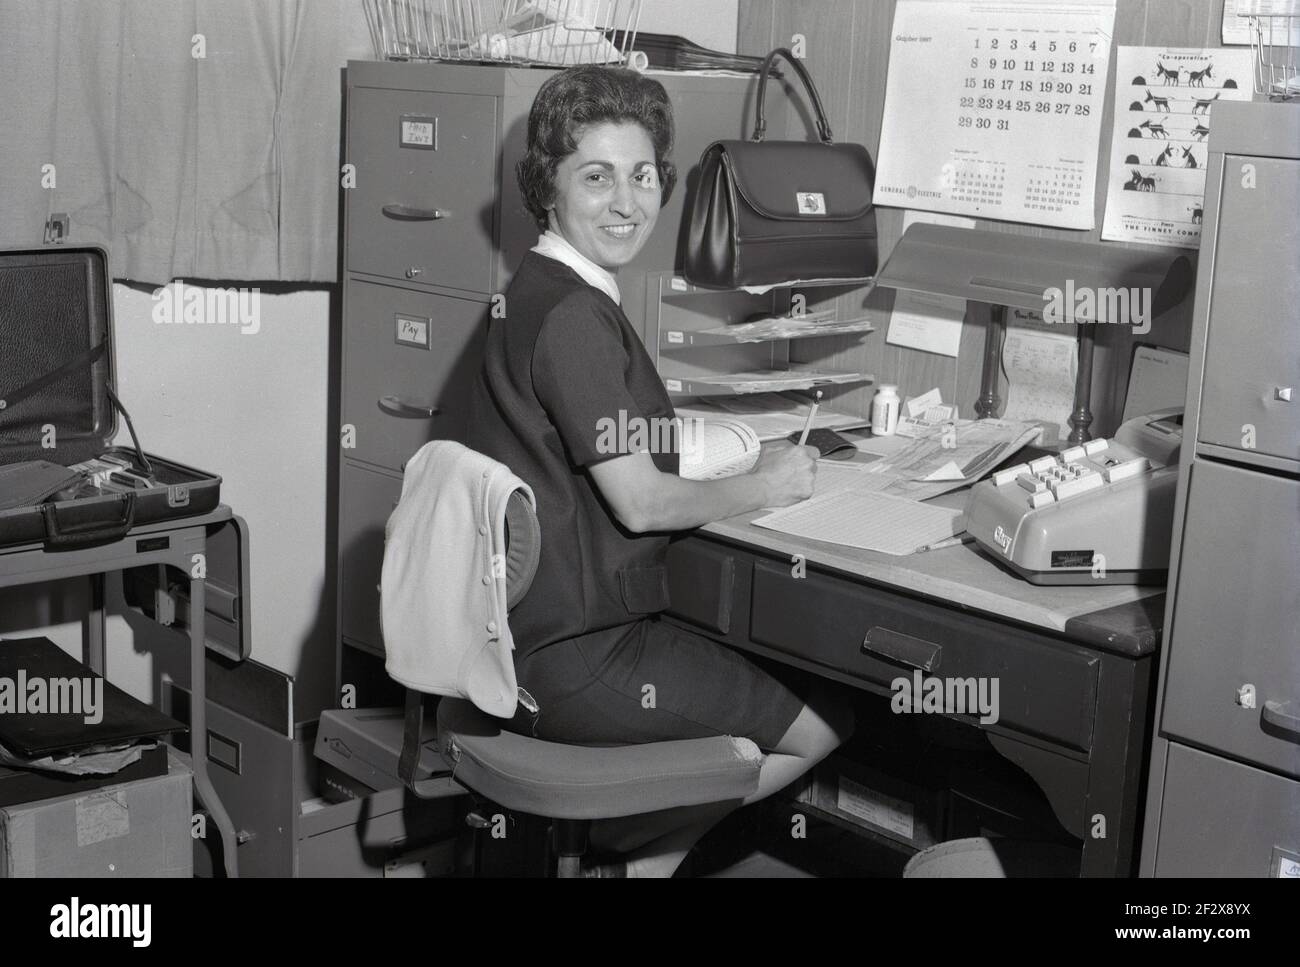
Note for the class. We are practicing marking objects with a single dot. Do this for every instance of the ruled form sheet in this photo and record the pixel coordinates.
(872, 521)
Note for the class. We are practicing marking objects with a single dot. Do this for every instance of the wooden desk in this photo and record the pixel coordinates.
(1074, 664)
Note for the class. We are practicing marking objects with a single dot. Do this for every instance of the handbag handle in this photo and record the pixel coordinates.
(760, 121)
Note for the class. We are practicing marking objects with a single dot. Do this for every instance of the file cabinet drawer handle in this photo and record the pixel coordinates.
(396, 406)
(901, 649)
(1281, 718)
(407, 213)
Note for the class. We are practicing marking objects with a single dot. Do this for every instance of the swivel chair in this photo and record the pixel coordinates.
(570, 785)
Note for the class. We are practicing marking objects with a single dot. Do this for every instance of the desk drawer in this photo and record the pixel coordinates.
(1044, 687)
(422, 211)
(407, 353)
(701, 584)
(367, 500)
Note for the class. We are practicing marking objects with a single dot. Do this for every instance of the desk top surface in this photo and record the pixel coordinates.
(1122, 618)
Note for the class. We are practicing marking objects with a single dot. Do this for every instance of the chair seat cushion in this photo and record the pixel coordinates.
(980, 857)
(586, 782)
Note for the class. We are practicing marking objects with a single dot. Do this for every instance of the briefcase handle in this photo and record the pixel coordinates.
(760, 121)
(67, 538)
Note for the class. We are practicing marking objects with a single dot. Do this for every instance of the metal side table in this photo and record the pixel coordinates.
(176, 543)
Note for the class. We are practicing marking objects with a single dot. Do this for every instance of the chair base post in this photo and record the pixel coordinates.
(570, 845)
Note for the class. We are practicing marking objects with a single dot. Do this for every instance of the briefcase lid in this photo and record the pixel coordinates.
(56, 327)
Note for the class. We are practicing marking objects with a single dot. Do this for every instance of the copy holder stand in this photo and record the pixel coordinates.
(1002, 269)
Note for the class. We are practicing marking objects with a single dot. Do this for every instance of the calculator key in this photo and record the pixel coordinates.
(1123, 471)
(1004, 477)
(1041, 499)
(1032, 484)
(1094, 447)
(1073, 454)
(1072, 488)
(1042, 464)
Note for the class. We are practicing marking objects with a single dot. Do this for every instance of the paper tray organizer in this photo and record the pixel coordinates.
(57, 402)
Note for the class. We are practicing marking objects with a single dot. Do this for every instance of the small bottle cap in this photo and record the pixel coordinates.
(888, 388)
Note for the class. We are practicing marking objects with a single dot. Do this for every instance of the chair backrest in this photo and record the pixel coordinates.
(523, 551)
(523, 547)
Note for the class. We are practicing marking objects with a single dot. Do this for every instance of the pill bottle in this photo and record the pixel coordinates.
(884, 411)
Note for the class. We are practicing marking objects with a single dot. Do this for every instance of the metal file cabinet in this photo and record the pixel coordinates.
(1224, 791)
(434, 225)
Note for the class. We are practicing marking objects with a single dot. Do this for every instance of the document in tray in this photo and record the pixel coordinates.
(791, 327)
(871, 521)
(773, 416)
(717, 448)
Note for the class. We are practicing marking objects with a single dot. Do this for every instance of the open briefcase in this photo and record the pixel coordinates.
(62, 483)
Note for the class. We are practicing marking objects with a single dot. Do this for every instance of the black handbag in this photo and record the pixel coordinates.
(774, 211)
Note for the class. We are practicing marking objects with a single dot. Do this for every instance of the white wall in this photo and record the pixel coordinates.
(251, 408)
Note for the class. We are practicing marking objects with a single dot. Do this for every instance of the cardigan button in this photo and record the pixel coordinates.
(482, 529)
(491, 626)
(487, 578)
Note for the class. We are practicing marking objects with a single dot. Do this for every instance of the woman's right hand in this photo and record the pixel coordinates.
(787, 473)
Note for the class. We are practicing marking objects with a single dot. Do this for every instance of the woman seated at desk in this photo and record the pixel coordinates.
(563, 361)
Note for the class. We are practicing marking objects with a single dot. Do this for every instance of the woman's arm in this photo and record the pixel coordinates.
(644, 498)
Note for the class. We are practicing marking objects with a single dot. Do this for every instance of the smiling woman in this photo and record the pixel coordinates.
(561, 369)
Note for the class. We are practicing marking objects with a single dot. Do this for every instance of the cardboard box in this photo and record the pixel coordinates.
(139, 828)
(866, 797)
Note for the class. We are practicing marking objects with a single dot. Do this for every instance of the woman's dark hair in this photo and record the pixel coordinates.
(581, 96)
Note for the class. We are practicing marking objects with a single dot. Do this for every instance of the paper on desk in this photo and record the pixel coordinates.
(917, 405)
(871, 521)
(1040, 369)
(925, 414)
(835, 475)
(946, 460)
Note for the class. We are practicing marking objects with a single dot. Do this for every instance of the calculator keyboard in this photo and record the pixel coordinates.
(1075, 471)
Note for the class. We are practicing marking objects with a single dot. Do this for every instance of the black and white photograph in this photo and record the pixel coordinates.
(649, 439)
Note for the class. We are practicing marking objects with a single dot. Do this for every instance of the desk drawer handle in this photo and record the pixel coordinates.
(902, 649)
(396, 406)
(1280, 716)
(407, 213)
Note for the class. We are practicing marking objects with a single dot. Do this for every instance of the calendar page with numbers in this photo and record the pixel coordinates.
(993, 109)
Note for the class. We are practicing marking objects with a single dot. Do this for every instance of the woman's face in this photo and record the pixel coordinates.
(607, 193)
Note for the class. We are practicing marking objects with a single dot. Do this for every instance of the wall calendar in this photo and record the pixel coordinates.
(993, 109)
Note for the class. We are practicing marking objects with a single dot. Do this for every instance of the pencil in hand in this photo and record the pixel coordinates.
(812, 415)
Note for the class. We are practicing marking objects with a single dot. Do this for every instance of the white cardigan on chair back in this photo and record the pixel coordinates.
(443, 591)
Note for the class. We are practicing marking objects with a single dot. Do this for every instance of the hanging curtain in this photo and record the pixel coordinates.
(194, 139)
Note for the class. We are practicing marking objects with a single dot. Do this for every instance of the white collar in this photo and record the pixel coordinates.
(555, 246)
